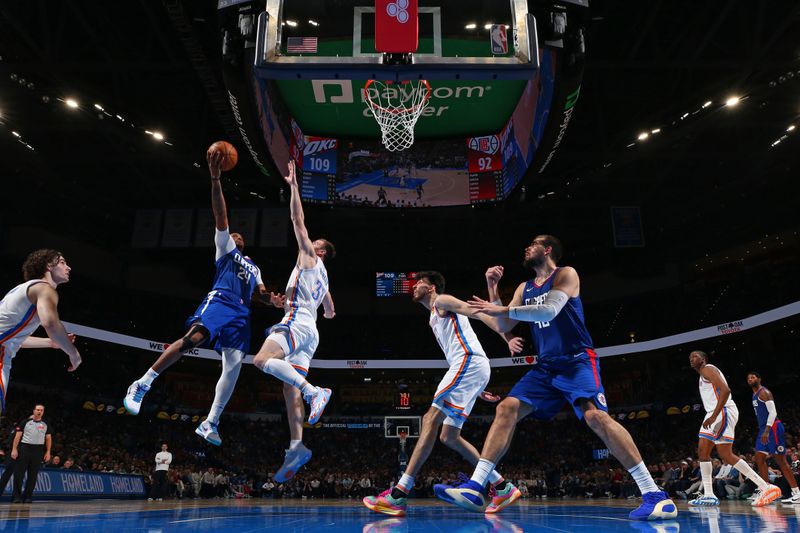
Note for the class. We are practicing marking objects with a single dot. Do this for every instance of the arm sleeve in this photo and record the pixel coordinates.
(543, 312)
(259, 281)
(224, 243)
(49, 429)
(169, 458)
(773, 413)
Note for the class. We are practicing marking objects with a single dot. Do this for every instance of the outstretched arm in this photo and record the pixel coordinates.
(452, 304)
(46, 301)
(565, 286)
(307, 257)
(43, 342)
(217, 198)
(327, 305)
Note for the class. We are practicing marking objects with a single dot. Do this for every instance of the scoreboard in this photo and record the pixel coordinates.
(389, 284)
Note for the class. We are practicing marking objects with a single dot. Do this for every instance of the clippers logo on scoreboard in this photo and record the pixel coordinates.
(483, 154)
(320, 154)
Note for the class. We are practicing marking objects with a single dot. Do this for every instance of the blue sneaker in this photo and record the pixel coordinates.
(208, 430)
(655, 506)
(133, 398)
(470, 496)
(295, 458)
(439, 489)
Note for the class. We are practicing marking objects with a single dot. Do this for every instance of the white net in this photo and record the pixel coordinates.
(396, 108)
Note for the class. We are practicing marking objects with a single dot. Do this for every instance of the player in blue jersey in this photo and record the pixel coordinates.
(769, 440)
(223, 316)
(567, 371)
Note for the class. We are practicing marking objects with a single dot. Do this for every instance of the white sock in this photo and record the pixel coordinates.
(286, 373)
(706, 469)
(231, 364)
(294, 443)
(482, 471)
(796, 491)
(643, 479)
(495, 477)
(148, 377)
(750, 474)
(406, 483)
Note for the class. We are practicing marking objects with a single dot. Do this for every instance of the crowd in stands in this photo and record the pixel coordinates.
(545, 460)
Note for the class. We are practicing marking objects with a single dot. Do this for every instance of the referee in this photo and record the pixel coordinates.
(31, 446)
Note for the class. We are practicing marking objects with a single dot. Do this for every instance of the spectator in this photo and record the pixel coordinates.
(163, 460)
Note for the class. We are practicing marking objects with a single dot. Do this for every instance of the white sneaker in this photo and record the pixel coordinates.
(133, 399)
(318, 403)
(295, 458)
(209, 431)
(704, 501)
(794, 498)
(766, 496)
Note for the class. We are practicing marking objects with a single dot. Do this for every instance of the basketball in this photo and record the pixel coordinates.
(231, 156)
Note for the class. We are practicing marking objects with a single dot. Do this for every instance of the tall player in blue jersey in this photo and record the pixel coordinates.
(567, 370)
(224, 315)
(769, 439)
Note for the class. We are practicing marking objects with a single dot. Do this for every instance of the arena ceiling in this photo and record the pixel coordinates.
(709, 179)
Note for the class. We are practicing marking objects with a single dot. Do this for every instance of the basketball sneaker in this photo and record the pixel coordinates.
(133, 399)
(766, 496)
(208, 430)
(439, 489)
(794, 498)
(470, 496)
(384, 503)
(704, 501)
(295, 458)
(318, 403)
(656, 505)
(502, 498)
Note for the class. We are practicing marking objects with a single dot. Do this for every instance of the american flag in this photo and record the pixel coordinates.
(301, 45)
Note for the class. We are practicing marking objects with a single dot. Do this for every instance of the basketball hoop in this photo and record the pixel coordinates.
(396, 108)
(402, 435)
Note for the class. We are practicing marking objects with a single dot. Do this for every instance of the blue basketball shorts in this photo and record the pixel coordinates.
(776, 443)
(227, 321)
(546, 387)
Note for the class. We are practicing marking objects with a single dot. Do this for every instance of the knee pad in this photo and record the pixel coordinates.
(187, 343)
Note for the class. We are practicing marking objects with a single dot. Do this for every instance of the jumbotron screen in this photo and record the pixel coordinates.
(388, 284)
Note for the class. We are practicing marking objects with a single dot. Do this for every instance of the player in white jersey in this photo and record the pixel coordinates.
(30, 304)
(455, 396)
(290, 345)
(718, 431)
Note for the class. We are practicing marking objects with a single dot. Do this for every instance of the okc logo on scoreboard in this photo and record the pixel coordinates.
(489, 144)
(319, 155)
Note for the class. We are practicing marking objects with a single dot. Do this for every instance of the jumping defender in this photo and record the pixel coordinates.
(290, 345)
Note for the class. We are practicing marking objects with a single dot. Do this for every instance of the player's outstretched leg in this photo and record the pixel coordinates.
(231, 366)
(656, 504)
(297, 454)
(136, 391)
(502, 493)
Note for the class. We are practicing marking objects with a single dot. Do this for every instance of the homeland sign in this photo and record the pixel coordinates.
(94, 484)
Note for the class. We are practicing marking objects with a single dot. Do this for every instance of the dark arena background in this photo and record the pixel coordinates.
(656, 140)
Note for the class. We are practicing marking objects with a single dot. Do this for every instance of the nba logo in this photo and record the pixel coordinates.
(499, 39)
